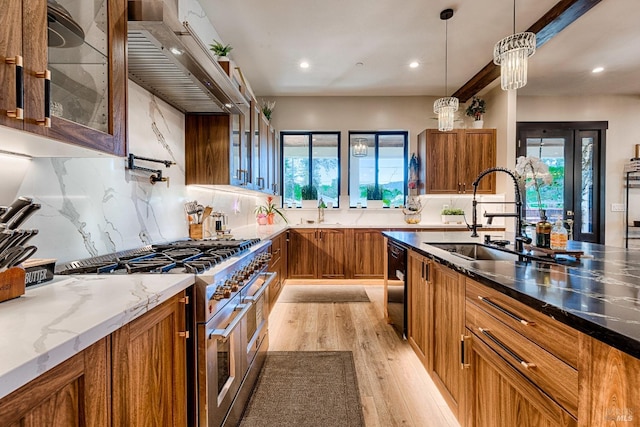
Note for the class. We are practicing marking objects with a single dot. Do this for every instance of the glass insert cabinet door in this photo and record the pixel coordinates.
(574, 195)
(79, 62)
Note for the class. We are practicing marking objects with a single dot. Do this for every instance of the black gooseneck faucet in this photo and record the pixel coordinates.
(518, 214)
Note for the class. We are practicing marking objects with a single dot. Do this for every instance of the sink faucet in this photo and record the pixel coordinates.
(517, 215)
(321, 208)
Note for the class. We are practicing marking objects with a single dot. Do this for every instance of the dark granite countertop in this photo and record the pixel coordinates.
(598, 295)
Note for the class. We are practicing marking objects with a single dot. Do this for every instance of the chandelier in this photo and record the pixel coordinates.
(360, 147)
(445, 107)
(512, 54)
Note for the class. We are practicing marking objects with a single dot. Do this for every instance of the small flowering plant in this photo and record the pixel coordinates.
(533, 172)
(476, 108)
(267, 108)
(269, 209)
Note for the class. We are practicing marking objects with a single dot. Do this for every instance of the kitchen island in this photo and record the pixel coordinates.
(514, 336)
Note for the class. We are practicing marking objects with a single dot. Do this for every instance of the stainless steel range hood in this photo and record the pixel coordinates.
(168, 59)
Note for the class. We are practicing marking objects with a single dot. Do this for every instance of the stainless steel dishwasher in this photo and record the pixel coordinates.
(397, 287)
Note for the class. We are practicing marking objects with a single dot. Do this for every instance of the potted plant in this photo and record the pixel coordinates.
(267, 108)
(309, 195)
(476, 109)
(268, 212)
(220, 50)
(374, 196)
(452, 216)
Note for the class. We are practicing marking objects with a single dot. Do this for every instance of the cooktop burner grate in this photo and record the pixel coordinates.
(193, 256)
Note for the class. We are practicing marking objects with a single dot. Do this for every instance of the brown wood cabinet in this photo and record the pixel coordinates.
(367, 253)
(88, 102)
(609, 391)
(447, 311)
(278, 264)
(149, 368)
(213, 150)
(451, 161)
(74, 393)
(500, 396)
(317, 253)
(419, 322)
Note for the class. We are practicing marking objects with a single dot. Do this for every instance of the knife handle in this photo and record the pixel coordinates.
(22, 216)
(15, 207)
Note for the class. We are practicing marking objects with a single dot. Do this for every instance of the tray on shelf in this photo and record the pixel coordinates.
(553, 252)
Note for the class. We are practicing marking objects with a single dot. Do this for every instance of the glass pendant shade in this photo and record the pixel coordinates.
(445, 108)
(512, 54)
(360, 147)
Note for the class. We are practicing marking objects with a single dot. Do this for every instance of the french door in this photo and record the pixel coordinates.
(575, 155)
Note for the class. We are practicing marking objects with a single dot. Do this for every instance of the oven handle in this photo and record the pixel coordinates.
(270, 278)
(224, 333)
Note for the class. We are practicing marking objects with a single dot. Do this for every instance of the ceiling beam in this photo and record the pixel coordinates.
(555, 20)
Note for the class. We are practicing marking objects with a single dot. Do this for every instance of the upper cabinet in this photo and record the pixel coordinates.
(63, 72)
(451, 161)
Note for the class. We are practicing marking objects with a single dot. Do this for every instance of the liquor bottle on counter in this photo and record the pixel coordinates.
(543, 232)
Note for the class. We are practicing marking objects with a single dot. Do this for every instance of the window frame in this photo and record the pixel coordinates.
(376, 147)
(310, 157)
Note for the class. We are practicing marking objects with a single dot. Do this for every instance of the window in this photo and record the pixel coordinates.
(311, 167)
(380, 171)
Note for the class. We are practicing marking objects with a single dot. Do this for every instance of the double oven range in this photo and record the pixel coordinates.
(229, 334)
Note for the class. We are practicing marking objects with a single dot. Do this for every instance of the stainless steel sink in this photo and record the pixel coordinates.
(477, 252)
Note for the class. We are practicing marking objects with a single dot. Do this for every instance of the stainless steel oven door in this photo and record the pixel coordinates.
(225, 362)
(257, 295)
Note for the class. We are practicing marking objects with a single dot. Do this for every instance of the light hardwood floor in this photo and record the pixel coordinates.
(395, 389)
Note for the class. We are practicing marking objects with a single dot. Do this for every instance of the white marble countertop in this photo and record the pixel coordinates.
(56, 320)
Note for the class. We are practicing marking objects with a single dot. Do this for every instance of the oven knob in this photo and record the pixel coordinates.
(218, 295)
(232, 285)
(226, 292)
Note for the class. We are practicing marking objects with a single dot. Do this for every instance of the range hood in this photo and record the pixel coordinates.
(168, 59)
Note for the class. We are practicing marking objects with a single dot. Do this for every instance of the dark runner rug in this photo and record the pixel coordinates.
(305, 388)
(323, 293)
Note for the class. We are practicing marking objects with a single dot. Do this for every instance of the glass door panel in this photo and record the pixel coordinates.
(78, 60)
(295, 153)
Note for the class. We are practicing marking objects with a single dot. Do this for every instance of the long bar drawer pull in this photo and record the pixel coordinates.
(511, 353)
(505, 311)
(18, 113)
(463, 358)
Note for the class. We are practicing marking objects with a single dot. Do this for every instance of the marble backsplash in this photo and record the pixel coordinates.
(94, 206)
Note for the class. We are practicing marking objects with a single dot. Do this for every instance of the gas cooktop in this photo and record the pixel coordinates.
(184, 256)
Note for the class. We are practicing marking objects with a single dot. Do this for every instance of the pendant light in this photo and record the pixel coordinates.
(512, 54)
(360, 147)
(445, 107)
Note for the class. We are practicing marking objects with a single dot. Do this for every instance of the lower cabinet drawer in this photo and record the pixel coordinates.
(556, 337)
(553, 376)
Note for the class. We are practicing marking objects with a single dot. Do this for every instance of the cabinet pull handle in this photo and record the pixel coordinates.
(505, 311)
(184, 300)
(260, 180)
(274, 188)
(46, 75)
(320, 233)
(459, 188)
(18, 113)
(464, 187)
(183, 334)
(510, 352)
(463, 359)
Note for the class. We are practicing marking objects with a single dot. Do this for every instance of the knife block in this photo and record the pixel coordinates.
(12, 283)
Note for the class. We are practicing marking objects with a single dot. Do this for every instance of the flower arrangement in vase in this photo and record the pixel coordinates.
(476, 108)
(268, 212)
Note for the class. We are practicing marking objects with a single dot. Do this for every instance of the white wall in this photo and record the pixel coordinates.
(624, 132)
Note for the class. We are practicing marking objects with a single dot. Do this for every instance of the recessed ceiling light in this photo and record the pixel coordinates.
(359, 64)
(414, 64)
(176, 51)
(597, 70)
(228, 105)
(304, 64)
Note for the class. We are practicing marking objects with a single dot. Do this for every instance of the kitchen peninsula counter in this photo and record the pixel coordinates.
(599, 295)
(58, 319)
